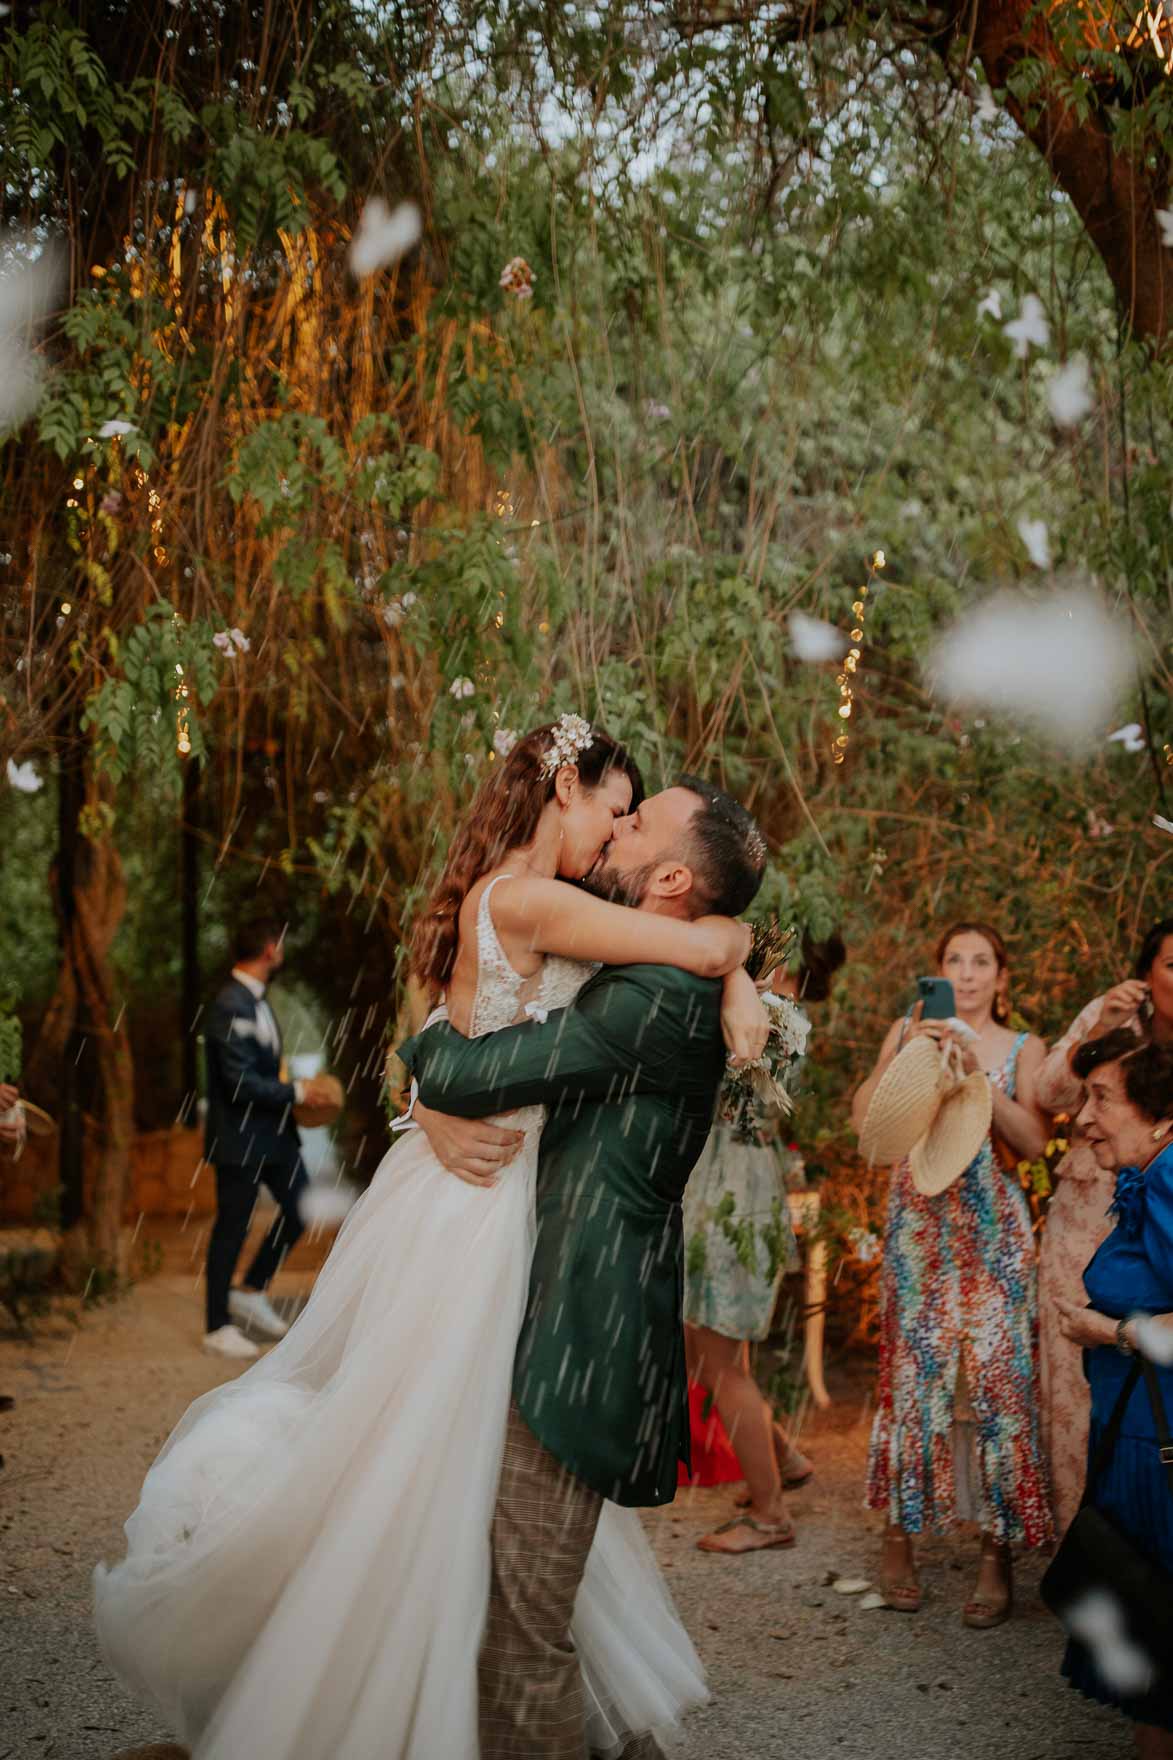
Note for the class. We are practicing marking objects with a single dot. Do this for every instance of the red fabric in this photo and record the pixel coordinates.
(713, 1459)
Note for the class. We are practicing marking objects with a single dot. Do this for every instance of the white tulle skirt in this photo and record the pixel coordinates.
(307, 1571)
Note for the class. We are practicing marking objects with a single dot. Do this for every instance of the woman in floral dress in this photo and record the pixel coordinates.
(1077, 1219)
(956, 1433)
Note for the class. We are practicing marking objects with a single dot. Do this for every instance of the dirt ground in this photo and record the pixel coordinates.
(797, 1671)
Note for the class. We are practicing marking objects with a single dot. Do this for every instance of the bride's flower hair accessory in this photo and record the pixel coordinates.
(571, 737)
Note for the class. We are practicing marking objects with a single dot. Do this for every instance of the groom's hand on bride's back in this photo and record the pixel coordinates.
(468, 1147)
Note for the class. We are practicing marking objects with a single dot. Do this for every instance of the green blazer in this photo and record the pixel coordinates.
(630, 1073)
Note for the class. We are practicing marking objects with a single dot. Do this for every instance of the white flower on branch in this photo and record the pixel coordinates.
(813, 640)
(985, 107)
(504, 741)
(461, 688)
(517, 278)
(1029, 327)
(1069, 393)
(991, 305)
(383, 236)
(1060, 662)
(231, 642)
(24, 778)
(114, 429)
(1033, 533)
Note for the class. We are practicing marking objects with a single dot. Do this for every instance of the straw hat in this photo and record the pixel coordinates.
(961, 1126)
(312, 1115)
(904, 1104)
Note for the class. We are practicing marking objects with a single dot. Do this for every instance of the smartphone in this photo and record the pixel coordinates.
(937, 996)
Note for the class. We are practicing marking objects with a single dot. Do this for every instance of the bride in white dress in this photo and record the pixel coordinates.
(307, 1570)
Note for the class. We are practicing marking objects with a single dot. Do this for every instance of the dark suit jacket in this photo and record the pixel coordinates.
(630, 1072)
(250, 1116)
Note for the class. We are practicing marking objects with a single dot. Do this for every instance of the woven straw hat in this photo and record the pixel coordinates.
(312, 1116)
(904, 1104)
(958, 1131)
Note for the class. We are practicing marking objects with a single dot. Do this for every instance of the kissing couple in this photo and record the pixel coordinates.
(409, 1531)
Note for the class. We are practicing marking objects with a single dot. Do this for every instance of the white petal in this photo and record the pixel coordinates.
(1163, 824)
(1069, 394)
(383, 237)
(1029, 327)
(24, 778)
(850, 1585)
(110, 430)
(871, 1601)
(1060, 662)
(991, 305)
(812, 639)
(987, 109)
(1033, 533)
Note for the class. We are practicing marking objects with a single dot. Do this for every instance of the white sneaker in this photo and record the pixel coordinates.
(227, 1341)
(253, 1308)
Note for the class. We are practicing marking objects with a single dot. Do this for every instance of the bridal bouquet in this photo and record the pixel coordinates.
(753, 1092)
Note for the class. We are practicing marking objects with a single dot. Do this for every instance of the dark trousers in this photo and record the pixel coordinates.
(236, 1194)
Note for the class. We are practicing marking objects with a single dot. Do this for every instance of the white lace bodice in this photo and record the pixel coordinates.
(503, 995)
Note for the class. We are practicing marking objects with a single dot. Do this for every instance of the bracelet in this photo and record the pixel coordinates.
(1122, 1344)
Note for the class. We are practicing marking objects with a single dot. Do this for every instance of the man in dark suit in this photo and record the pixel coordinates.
(249, 1136)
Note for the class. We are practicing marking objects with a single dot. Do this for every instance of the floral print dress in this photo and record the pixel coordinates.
(956, 1432)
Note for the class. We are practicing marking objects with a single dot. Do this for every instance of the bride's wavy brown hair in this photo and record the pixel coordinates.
(504, 815)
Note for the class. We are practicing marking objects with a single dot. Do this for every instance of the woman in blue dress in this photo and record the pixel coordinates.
(1127, 1119)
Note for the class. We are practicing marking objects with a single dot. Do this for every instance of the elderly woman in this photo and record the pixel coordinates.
(1078, 1219)
(956, 1432)
(1127, 1121)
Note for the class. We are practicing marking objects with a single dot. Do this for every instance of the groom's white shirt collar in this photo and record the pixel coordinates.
(249, 981)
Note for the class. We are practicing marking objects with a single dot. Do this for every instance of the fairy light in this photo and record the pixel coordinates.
(852, 659)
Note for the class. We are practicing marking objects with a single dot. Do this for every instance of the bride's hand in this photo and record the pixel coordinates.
(745, 1024)
(731, 942)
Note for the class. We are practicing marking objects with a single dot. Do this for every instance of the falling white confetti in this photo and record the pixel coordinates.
(24, 778)
(113, 430)
(1069, 393)
(1165, 222)
(986, 108)
(814, 640)
(1060, 662)
(29, 288)
(1097, 1620)
(1029, 327)
(1163, 824)
(991, 305)
(1033, 533)
(322, 1206)
(1130, 737)
(384, 236)
(1155, 1339)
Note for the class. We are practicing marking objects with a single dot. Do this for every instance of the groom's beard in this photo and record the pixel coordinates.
(606, 881)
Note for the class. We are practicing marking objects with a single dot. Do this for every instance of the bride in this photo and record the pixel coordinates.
(307, 1570)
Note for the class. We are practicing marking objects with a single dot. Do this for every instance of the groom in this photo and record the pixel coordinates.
(630, 1073)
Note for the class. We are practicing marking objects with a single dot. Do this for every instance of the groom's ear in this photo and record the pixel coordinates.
(672, 879)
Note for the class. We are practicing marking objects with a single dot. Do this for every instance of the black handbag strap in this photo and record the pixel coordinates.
(1111, 1434)
(1157, 1401)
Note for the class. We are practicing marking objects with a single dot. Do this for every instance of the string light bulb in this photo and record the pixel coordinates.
(853, 657)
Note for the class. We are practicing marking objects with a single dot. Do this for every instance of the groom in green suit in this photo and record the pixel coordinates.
(630, 1074)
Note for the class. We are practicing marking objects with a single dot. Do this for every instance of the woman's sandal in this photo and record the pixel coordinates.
(775, 1534)
(982, 1615)
(901, 1594)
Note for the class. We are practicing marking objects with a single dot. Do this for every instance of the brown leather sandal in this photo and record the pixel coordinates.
(980, 1613)
(901, 1594)
(774, 1534)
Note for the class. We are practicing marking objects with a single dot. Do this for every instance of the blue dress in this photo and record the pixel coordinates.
(1132, 1272)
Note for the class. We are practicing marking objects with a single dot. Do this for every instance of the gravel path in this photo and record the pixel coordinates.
(797, 1672)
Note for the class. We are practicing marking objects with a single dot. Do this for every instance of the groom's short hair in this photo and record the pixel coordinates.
(726, 851)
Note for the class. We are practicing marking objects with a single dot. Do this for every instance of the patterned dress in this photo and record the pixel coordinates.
(1077, 1224)
(956, 1433)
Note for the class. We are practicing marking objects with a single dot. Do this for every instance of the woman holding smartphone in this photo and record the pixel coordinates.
(1078, 1220)
(956, 1432)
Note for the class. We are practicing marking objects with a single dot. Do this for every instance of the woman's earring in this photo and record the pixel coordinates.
(1159, 1132)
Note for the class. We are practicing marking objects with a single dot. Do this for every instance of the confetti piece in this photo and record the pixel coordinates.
(1034, 535)
(1020, 654)
(1029, 328)
(851, 1585)
(1069, 393)
(813, 640)
(112, 430)
(24, 778)
(871, 1601)
(383, 236)
(991, 305)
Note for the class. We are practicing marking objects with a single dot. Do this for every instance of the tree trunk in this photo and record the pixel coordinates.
(1115, 195)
